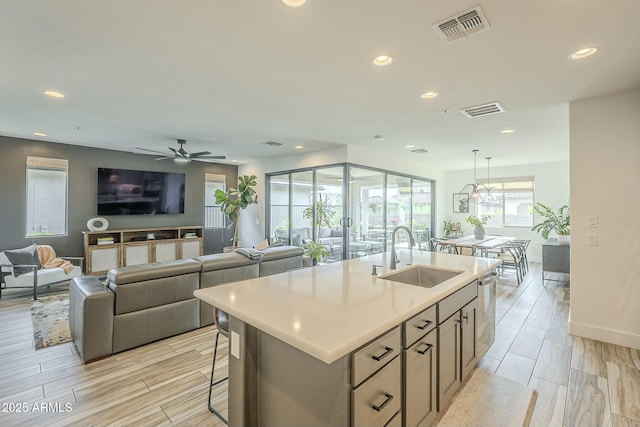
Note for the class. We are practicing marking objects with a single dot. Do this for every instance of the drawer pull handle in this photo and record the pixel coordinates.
(389, 398)
(387, 351)
(427, 348)
(426, 324)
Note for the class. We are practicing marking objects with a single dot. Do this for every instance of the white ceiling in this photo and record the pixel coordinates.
(229, 75)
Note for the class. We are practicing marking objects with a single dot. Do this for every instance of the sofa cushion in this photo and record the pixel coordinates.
(154, 270)
(45, 276)
(271, 254)
(224, 261)
(24, 256)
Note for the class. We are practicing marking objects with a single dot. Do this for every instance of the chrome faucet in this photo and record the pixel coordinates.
(394, 257)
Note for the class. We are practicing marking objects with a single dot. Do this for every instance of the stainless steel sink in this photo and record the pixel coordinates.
(419, 275)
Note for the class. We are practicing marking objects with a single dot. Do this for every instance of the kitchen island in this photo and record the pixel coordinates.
(295, 336)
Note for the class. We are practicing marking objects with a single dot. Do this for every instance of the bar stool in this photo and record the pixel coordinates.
(221, 320)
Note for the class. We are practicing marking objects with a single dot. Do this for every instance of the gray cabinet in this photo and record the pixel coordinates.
(468, 330)
(449, 346)
(457, 342)
(556, 257)
(420, 367)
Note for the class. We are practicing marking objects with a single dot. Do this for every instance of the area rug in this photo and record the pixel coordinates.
(490, 400)
(50, 318)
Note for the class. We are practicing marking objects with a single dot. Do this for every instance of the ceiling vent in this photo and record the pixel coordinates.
(273, 143)
(483, 110)
(462, 25)
(420, 151)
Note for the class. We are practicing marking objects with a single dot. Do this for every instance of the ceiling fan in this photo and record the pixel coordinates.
(181, 155)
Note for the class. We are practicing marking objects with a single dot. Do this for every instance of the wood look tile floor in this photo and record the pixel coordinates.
(580, 382)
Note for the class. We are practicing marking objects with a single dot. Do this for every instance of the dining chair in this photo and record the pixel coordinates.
(435, 245)
(512, 258)
(524, 245)
(221, 320)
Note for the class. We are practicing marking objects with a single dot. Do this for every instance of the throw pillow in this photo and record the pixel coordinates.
(324, 232)
(296, 240)
(24, 256)
(262, 245)
(336, 232)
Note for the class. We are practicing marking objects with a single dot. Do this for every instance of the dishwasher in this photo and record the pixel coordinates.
(486, 329)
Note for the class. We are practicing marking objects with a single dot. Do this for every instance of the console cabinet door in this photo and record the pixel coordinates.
(449, 346)
(468, 325)
(419, 404)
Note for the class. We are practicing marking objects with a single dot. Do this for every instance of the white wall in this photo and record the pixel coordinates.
(605, 181)
(252, 220)
(551, 188)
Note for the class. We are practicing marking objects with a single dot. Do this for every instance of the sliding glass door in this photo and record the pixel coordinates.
(351, 210)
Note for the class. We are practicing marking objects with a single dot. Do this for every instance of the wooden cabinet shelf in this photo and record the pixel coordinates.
(104, 250)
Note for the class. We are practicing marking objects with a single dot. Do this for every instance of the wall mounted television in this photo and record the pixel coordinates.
(134, 192)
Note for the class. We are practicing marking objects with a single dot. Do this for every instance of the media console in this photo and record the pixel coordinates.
(104, 250)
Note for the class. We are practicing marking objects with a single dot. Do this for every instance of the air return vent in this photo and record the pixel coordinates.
(462, 25)
(273, 143)
(483, 110)
(420, 151)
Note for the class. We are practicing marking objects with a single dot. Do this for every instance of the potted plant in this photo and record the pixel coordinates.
(558, 221)
(324, 212)
(452, 229)
(478, 223)
(316, 251)
(235, 200)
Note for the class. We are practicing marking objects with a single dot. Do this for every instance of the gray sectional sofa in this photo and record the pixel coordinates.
(143, 303)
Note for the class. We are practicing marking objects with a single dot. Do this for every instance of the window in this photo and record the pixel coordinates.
(46, 197)
(213, 215)
(510, 202)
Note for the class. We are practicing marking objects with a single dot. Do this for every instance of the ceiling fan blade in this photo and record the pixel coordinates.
(212, 157)
(174, 151)
(165, 158)
(152, 151)
(199, 153)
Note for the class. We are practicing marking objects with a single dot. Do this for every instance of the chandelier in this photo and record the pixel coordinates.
(477, 190)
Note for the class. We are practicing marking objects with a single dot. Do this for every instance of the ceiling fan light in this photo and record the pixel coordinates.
(182, 160)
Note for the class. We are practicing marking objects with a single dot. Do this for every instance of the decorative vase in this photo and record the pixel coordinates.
(565, 239)
(478, 232)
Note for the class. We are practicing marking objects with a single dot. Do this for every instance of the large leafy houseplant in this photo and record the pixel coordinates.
(324, 212)
(553, 220)
(316, 251)
(234, 200)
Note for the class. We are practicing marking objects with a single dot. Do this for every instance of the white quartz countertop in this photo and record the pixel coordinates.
(328, 311)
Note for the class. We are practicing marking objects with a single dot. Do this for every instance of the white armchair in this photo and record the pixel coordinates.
(22, 268)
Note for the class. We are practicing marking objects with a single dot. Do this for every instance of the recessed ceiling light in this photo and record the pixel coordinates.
(298, 147)
(54, 94)
(507, 131)
(234, 161)
(583, 53)
(40, 134)
(294, 3)
(382, 60)
(410, 146)
(429, 95)
(378, 137)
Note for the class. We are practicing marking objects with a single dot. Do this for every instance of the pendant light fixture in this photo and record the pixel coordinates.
(475, 188)
(489, 197)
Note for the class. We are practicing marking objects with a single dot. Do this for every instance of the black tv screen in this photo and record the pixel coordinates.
(133, 192)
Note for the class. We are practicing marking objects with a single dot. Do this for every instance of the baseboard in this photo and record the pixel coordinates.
(611, 336)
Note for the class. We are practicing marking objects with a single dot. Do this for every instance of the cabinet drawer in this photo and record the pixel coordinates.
(455, 301)
(416, 327)
(376, 401)
(374, 356)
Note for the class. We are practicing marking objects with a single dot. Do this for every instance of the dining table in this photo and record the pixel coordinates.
(483, 245)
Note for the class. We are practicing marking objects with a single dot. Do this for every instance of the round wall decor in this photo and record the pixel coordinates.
(97, 224)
